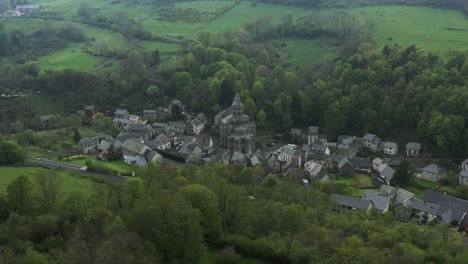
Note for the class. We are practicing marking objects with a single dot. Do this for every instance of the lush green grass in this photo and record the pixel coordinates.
(205, 6)
(309, 51)
(113, 165)
(71, 57)
(426, 27)
(363, 181)
(71, 181)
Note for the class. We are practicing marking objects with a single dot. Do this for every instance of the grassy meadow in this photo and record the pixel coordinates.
(437, 30)
(72, 182)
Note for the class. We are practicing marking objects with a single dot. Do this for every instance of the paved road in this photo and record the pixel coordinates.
(55, 164)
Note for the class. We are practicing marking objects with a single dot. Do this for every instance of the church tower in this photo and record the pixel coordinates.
(237, 107)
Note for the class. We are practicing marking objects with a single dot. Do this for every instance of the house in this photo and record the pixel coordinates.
(132, 147)
(395, 194)
(196, 124)
(238, 158)
(121, 122)
(145, 131)
(297, 136)
(291, 155)
(313, 135)
(376, 163)
(178, 126)
(206, 143)
(464, 165)
(332, 161)
(424, 212)
(28, 9)
(275, 161)
(431, 173)
(313, 169)
(107, 149)
(12, 13)
(371, 142)
(196, 155)
(347, 146)
(134, 119)
(162, 142)
(87, 146)
(344, 203)
(90, 110)
(390, 148)
(345, 168)
(386, 173)
(451, 210)
(413, 149)
(463, 175)
(121, 113)
(381, 202)
(45, 121)
(147, 156)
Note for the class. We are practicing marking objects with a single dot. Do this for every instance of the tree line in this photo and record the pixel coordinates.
(173, 215)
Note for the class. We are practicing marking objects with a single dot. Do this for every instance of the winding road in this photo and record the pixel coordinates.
(51, 164)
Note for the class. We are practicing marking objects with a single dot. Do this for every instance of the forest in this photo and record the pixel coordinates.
(142, 54)
(178, 215)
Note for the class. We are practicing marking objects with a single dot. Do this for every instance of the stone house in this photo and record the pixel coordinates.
(121, 113)
(347, 146)
(87, 146)
(381, 202)
(431, 173)
(133, 147)
(292, 156)
(371, 141)
(390, 148)
(162, 142)
(386, 173)
(344, 203)
(413, 149)
(345, 167)
(463, 175)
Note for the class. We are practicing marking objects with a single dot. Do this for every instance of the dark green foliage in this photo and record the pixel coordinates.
(20, 195)
(404, 174)
(10, 153)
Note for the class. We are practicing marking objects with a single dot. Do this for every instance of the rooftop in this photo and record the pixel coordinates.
(350, 201)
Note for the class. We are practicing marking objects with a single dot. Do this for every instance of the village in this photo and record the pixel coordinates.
(174, 134)
(24, 10)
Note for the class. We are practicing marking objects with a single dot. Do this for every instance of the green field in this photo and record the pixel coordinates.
(71, 181)
(309, 51)
(437, 30)
(113, 165)
(426, 27)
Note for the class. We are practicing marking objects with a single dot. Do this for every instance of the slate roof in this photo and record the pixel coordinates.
(450, 208)
(381, 202)
(432, 168)
(104, 145)
(398, 195)
(360, 163)
(391, 145)
(151, 155)
(313, 168)
(412, 145)
(465, 161)
(162, 140)
(121, 120)
(89, 107)
(237, 100)
(422, 206)
(350, 201)
(86, 142)
(387, 172)
(291, 152)
(369, 137)
(177, 124)
(463, 173)
(313, 130)
(135, 146)
(343, 162)
(121, 112)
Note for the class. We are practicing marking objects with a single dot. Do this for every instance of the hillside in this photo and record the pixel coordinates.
(172, 27)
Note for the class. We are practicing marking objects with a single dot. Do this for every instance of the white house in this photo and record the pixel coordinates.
(371, 142)
(390, 148)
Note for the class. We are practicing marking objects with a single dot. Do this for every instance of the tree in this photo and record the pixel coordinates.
(403, 176)
(133, 191)
(206, 201)
(10, 153)
(261, 118)
(50, 186)
(250, 108)
(20, 195)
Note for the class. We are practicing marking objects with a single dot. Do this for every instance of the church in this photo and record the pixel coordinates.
(236, 130)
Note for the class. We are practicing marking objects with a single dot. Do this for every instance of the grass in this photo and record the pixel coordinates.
(71, 57)
(71, 181)
(113, 165)
(424, 26)
(309, 51)
(363, 181)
